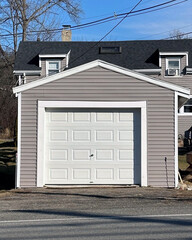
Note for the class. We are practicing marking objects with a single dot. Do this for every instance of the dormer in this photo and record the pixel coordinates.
(53, 63)
(173, 64)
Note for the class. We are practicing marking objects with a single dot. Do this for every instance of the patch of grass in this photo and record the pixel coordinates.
(183, 165)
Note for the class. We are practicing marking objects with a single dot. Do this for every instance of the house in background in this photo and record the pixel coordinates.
(106, 113)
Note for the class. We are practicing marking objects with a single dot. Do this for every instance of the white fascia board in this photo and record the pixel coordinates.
(155, 71)
(172, 53)
(31, 72)
(105, 65)
(52, 55)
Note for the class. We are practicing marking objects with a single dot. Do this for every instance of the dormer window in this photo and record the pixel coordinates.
(53, 67)
(173, 67)
(173, 64)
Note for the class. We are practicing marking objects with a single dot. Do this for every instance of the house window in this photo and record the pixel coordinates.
(53, 67)
(173, 67)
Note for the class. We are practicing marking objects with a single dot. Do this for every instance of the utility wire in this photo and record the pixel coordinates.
(122, 14)
(104, 20)
(132, 15)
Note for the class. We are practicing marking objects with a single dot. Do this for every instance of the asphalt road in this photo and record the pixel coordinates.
(100, 213)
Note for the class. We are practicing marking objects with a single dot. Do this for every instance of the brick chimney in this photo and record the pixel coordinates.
(66, 33)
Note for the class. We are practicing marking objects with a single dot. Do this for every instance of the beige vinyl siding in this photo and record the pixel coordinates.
(99, 84)
(32, 78)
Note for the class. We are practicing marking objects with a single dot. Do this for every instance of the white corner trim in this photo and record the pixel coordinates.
(18, 165)
(105, 65)
(42, 105)
(176, 140)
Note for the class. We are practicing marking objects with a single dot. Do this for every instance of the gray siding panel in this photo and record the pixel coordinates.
(99, 84)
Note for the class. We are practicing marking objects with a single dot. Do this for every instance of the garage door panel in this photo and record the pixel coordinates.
(81, 173)
(81, 135)
(58, 117)
(125, 155)
(58, 174)
(102, 135)
(91, 147)
(81, 117)
(58, 135)
(126, 117)
(104, 174)
(126, 174)
(81, 154)
(104, 117)
(104, 155)
(58, 154)
(125, 135)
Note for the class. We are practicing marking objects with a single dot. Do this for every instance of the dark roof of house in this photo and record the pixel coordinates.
(134, 55)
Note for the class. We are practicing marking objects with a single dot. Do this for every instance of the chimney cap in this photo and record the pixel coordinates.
(67, 26)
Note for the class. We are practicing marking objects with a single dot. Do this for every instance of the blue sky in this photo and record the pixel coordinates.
(154, 25)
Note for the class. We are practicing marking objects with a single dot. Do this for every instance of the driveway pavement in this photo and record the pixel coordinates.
(96, 213)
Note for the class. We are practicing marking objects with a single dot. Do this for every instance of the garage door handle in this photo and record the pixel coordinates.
(91, 155)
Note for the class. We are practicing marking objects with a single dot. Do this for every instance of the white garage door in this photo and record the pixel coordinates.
(92, 147)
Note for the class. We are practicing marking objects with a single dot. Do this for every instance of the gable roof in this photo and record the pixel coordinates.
(105, 65)
(134, 55)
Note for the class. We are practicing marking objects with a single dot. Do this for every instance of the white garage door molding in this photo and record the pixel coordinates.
(43, 105)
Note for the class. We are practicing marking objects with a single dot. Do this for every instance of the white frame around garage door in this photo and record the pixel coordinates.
(42, 105)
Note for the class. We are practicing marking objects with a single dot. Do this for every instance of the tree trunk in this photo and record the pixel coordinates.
(25, 22)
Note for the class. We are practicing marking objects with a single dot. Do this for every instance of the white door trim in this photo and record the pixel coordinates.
(42, 105)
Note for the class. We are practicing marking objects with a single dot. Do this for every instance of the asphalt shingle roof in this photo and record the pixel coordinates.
(135, 54)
